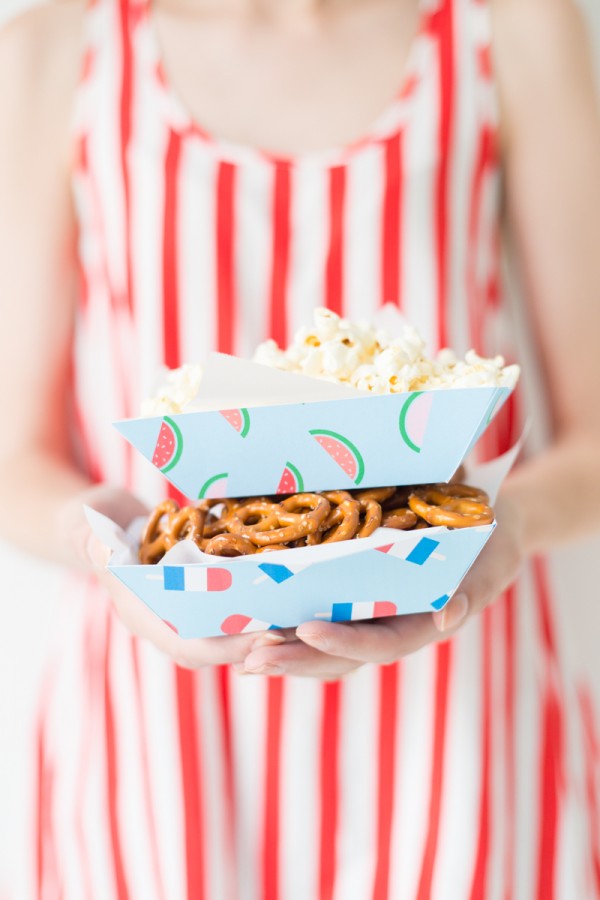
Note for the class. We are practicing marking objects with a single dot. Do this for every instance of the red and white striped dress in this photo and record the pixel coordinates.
(466, 771)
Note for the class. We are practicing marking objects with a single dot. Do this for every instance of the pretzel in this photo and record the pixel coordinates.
(398, 500)
(166, 526)
(402, 518)
(216, 524)
(279, 523)
(229, 545)
(438, 508)
(370, 515)
(380, 495)
(342, 522)
(464, 491)
(261, 524)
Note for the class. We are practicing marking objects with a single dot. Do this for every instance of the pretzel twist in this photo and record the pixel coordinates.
(239, 527)
(402, 518)
(229, 545)
(166, 526)
(266, 523)
(342, 522)
(439, 508)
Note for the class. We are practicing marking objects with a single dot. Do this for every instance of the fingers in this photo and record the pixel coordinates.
(189, 653)
(215, 651)
(331, 650)
(381, 641)
(296, 658)
(494, 570)
(453, 614)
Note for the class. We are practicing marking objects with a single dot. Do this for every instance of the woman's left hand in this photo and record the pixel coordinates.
(330, 650)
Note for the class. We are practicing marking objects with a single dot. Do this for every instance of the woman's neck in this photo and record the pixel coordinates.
(274, 11)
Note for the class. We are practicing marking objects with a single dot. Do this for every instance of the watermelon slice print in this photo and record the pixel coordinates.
(343, 452)
(238, 419)
(214, 487)
(414, 417)
(169, 446)
(291, 481)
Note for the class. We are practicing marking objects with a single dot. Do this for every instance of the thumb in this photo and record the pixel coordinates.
(97, 553)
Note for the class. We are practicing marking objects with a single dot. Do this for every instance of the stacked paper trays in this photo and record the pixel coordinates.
(262, 431)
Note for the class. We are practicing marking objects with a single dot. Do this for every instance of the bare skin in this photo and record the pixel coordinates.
(551, 147)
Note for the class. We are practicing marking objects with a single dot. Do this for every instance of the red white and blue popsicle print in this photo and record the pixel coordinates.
(348, 612)
(240, 624)
(196, 578)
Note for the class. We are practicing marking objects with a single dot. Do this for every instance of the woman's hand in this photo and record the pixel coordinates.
(330, 650)
(122, 507)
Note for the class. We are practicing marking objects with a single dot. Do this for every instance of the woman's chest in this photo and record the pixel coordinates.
(289, 86)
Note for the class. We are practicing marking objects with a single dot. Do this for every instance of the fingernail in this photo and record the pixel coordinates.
(453, 613)
(264, 670)
(98, 554)
(315, 640)
(269, 638)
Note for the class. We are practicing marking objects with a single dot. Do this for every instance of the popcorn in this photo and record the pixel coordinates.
(368, 359)
(176, 392)
(356, 354)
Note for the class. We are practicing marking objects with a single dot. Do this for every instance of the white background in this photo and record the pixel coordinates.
(30, 617)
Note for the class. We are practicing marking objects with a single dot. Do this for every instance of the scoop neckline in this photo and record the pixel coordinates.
(386, 124)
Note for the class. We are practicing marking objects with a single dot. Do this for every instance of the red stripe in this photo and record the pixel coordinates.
(480, 874)
(49, 878)
(186, 683)
(170, 242)
(270, 849)
(475, 291)
(442, 677)
(444, 30)
(125, 117)
(334, 271)
(82, 169)
(544, 607)
(550, 780)
(509, 737)
(388, 716)
(278, 324)
(591, 748)
(41, 811)
(90, 677)
(329, 787)
(391, 263)
(224, 697)
(185, 680)
(551, 761)
(112, 774)
(122, 363)
(149, 809)
(225, 225)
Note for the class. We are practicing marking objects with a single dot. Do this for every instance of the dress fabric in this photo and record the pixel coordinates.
(470, 769)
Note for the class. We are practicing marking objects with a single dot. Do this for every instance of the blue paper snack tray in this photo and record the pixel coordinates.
(390, 573)
(336, 439)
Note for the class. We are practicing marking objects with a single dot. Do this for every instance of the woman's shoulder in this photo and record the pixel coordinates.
(40, 48)
(543, 58)
(539, 32)
(40, 60)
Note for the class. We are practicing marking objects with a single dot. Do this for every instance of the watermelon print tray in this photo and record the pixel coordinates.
(358, 441)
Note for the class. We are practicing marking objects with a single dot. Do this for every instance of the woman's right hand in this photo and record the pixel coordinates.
(122, 507)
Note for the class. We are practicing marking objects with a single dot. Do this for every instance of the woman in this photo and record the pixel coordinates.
(457, 771)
